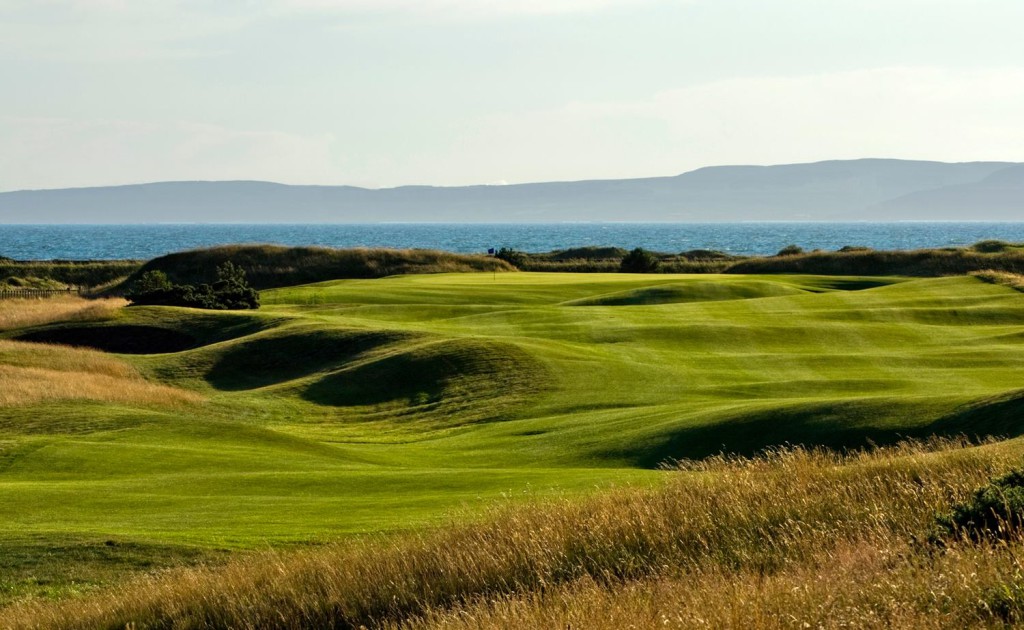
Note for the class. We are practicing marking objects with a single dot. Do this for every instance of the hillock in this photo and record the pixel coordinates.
(79, 273)
(271, 266)
(991, 255)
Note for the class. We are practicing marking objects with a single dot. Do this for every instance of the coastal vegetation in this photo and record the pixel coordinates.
(853, 260)
(272, 266)
(59, 273)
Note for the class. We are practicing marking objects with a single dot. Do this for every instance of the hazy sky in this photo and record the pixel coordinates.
(390, 92)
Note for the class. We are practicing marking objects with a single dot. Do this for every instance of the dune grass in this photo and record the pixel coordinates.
(23, 313)
(27, 385)
(365, 406)
(1013, 280)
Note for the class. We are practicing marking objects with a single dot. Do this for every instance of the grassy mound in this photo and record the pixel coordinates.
(695, 291)
(75, 273)
(270, 359)
(268, 266)
(925, 262)
(34, 374)
(23, 313)
(454, 382)
(31, 282)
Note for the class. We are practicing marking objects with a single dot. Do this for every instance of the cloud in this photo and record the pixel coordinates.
(44, 153)
(113, 30)
(900, 112)
(926, 113)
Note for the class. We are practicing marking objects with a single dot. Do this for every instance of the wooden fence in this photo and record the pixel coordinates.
(36, 293)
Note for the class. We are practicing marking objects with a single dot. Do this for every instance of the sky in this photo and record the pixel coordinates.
(382, 93)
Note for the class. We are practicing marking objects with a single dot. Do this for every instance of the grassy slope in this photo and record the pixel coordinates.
(370, 405)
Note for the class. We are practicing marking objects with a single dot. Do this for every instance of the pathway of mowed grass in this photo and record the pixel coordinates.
(373, 405)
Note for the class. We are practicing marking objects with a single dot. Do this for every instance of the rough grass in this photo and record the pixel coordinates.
(86, 273)
(793, 537)
(23, 313)
(33, 373)
(924, 262)
(1012, 280)
(853, 585)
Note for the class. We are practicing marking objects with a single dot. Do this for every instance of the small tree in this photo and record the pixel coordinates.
(231, 290)
(639, 261)
(511, 256)
(151, 281)
(231, 273)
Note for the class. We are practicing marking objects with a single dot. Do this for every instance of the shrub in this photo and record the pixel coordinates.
(229, 292)
(993, 511)
(151, 281)
(790, 250)
(515, 258)
(639, 261)
(991, 246)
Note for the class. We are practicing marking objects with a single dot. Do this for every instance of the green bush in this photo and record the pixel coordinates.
(991, 246)
(639, 261)
(790, 250)
(229, 292)
(993, 511)
(513, 257)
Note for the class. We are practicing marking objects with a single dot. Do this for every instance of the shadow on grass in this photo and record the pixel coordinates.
(123, 338)
(838, 425)
(270, 360)
(463, 381)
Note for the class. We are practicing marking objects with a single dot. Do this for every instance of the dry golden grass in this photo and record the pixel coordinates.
(855, 585)
(31, 373)
(20, 313)
(1013, 280)
(792, 538)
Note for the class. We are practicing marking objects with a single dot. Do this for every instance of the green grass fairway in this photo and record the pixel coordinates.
(373, 405)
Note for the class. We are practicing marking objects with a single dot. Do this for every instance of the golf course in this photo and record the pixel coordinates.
(136, 438)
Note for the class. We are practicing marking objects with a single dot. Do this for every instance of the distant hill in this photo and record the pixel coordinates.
(840, 190)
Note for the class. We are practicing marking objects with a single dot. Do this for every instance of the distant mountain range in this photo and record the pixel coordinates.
(839, 190)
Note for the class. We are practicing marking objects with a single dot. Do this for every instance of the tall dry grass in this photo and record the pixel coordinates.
(759, 542)
(1012, 280)
(19, 313)
(854, 585)
(31, 373)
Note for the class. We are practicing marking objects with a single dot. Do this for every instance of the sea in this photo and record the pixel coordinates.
(111, 242)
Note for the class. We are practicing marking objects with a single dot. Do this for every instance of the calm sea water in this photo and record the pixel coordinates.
(97, 242)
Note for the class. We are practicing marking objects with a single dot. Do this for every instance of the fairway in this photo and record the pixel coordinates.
(360, 406)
